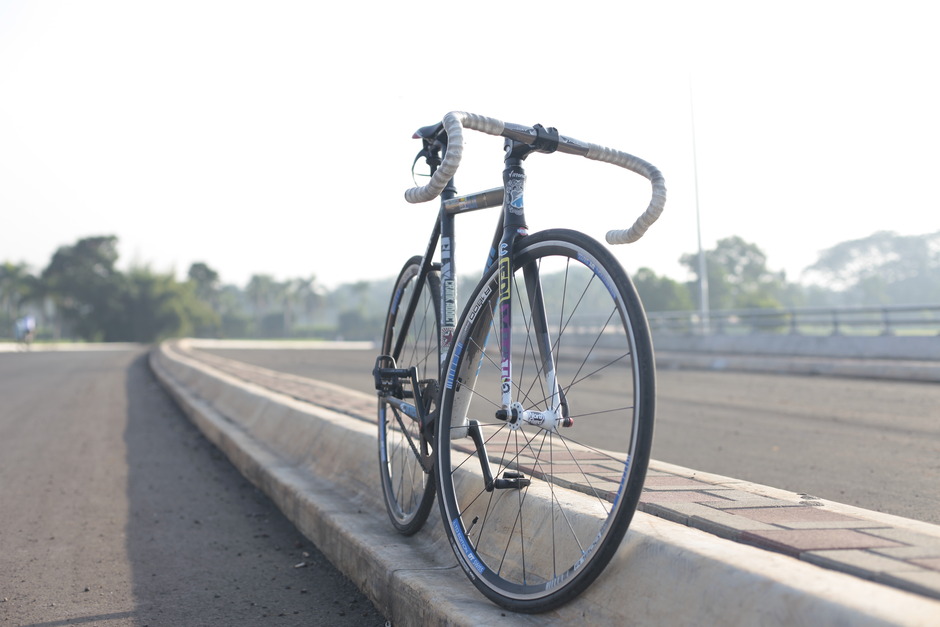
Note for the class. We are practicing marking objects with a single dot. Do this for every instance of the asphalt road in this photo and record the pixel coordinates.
(114, 510)
(869, 443)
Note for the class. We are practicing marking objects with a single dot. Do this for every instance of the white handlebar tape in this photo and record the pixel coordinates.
(456, 121)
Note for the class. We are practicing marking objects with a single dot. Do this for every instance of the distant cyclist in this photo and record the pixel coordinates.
(25, 330)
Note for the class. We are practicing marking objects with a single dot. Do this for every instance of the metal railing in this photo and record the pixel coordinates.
(862, 321)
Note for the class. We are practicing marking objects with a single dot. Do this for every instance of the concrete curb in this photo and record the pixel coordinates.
(892, 550)
(318, 466)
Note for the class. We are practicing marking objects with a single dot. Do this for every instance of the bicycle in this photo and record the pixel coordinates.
(530, 416)
(24, 330)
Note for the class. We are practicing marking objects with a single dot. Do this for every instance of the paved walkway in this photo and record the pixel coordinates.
(886, 549)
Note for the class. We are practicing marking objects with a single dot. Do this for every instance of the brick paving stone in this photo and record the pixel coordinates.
(564, 469)
(857, 561)
(720, 523)
(666, 512)
(735, 499)
(581, 456)
(673, 482)
(670, 496)
(611, 475)
(714, 527)
(782, 515)
(910, 552)
(712, 516)
(793, 542)
(930, 563)
(905, 536)
(722, 517)
(805, 517)
(592, 469)
(865, 525)
(578, 478)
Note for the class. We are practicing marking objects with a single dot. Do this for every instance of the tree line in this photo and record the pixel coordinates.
(82, 295)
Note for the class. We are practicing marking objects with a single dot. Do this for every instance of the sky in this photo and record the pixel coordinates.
(275, 137)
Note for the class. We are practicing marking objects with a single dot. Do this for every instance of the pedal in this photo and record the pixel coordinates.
(511, 481)
(387, 376)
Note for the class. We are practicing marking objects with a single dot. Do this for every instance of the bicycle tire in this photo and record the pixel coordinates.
(408, 490)
(584, 480)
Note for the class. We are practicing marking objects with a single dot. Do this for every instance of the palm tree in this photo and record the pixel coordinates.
(17, 287)
(263, 292)
(302, 293)
(206, 281)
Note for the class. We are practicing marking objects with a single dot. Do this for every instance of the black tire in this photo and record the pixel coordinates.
(531, 548)
(407, 488)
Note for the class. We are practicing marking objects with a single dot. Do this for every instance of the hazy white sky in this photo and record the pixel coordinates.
(275, 137)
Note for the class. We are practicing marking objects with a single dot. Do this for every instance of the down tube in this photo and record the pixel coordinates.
(505, 323)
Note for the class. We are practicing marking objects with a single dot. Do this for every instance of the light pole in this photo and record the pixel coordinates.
(702, 266)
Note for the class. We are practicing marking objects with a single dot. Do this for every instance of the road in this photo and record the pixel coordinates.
(115, 511)
(872, 444)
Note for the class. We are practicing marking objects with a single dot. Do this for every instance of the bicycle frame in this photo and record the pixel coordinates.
(511, 226)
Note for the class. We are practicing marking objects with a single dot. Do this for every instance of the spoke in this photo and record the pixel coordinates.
(518, 514)
(405, 432)
(577, 305)
(589, 485)
(549, 479)
(564, 514)
(597, 339)
(593, 372)
(399, 463)
(423, 331)
(612, 410)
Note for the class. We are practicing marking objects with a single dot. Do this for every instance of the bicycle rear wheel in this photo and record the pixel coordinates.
(561, 499)
(407, 488)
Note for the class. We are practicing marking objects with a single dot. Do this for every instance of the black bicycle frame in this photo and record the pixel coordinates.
(511, 227)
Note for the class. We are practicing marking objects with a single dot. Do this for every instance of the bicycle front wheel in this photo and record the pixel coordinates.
(407, 488)
(534, 514)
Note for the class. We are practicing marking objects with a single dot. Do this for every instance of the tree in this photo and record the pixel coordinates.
(738, 277)
(359, 322)
(86, 288)
(206, 283)
(883, 268)
(157, 307)
(99, 303)
(300, 296)
(262, 292)
(236, 322)
(660, 293)
(17, 287)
